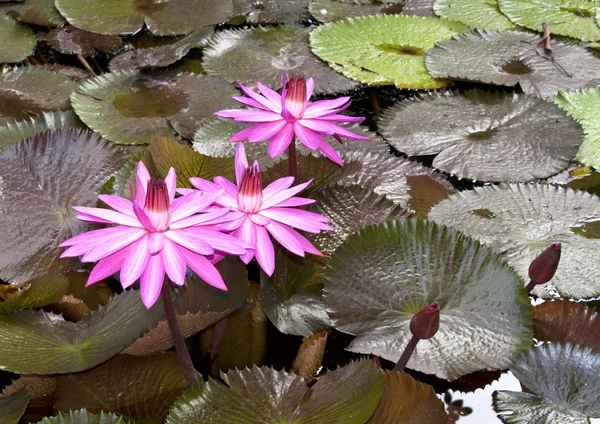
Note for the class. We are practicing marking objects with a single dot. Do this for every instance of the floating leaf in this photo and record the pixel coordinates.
(335, 10)
(12, 407)
(35, 12)
(484, 136)
(16, 40)
(347, 395)
(84, 417)
(383, 49)
(41, 391)
(72, 40)
(264, 54)
(42, 178)
(310, 355)
(76, 74)
(130, 107)
(510, 57)
(479, 14)
(418, 8)
(573, 18)
(30, 90)
(128, 16)
(270, 11)
(520, 221)
(37, 342)
(38, 292)
(584, 107)
(562, 378)
(485, 316)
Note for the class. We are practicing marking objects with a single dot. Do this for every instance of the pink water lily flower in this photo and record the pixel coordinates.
(281, 117)
(153, 235)
(256, 213)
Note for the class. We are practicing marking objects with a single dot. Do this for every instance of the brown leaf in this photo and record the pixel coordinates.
(71, 40)
(310, 354)
(42, 392)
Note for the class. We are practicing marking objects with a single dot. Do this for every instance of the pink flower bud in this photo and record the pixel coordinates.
(425, 323)
(158, 204)
(543, 268)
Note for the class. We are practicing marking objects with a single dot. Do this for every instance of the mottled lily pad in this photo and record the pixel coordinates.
(520, 221)
(485, 316)
(418, 8)
(12, 407)
(510, 58)
(128, 16)
(31, 90)
(335, 10)
(479, 14)
(484, 135)
(38, 292)
(270, 11)
(131, 107)
(383, 49)
(35, 12)
(16, 41)
(83, 417)
(72, 40)
(265, 53)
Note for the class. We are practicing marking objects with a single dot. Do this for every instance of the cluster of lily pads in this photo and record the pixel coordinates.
(506, 119)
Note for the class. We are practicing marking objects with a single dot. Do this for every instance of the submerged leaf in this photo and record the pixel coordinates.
(12, 407)
(16, 41)
(478, 14)
(41, 391)
(84, 417)
(485, 316)
(72, 40)
(35, 12)
(38, 292)
(270, 11)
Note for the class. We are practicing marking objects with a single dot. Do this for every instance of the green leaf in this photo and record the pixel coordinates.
(40, 389)
(483, 135)
(35, 12)
(383, 49)
(38, 292)
(520, 221)
(72, 40)
(13, 406)
(42, 178)
(335, 10)
(84, 417)
(37, 342)
(16, 41)
(270, 11)
(348, 395)
(485, 315)
(130, 107)
(479, 14)
(418, 8)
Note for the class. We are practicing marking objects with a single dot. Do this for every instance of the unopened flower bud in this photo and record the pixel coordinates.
(543, 268)
(425, 323)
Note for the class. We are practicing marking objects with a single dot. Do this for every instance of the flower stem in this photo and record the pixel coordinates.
(292, 158)
(408, 351)
(530, 286)
(184, 356)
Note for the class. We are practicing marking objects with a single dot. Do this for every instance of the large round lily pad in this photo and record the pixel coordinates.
(17, 42)
(484, 135)
(479, 14)
(130, 107)
(35, 12)
(270, 11)
(520, 221)
(380, 276)
(335, 10)
(72, 40)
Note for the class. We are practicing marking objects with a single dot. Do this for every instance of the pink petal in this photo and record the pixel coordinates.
(108, 266)
(233, 225)
(201, 184)
(184, 191)
(190, 241)
(174, 263)
(242, 135)
(297, 218)
(265, 254)
(264, 131)
(323, 107)
(230, 188)
(310, 88)
(144, 176)
(260, 99)
(89, 218)
(286, 237)
(108, 215)
(296, 201)
(277, 186)
(307, 245)
(247, 232)
(186, 206)
(156, 242)
(140, 191)
(249, 102)
(254, 116)
(171, 183)
(90, 238)
(279, 196)
(108, 248)
(259, 219)
(271, 95)
(152, 280)
(340, 118)
(209, 218)
(281, 141)
(142, 217)
(136, 262)
(307, 137)
(328, 128)
(118, 203)
(217, 240)
(205, 270)
(330, 153)
(241, 164)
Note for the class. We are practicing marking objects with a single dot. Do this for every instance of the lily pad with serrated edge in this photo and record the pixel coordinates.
(42, 178)
(488, 136)
(17, 42)
(41, 390)
(478, 14)
(391, 47)
(485, 315)
(335, 10)
(347, 395)
(584, 107)
(520, 221)
(31, 90)
(265, 53)
(418, 8)
(130, 107)
(76, 74)
(35, 12)
(563, 381)
(13, 406)
(270, 11)
(509, 58)
(573, 18)
(84, 417)
(128, 16)
(72, 40)
(36, 293)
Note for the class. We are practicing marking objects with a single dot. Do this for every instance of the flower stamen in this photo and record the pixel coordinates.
(250, 193)
(295, 96)
(158, 204)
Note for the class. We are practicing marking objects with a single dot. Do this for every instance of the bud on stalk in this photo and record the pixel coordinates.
(423, 325)
(543, 268)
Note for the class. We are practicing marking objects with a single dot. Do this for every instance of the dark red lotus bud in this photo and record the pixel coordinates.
(543, 267)
(425, 323)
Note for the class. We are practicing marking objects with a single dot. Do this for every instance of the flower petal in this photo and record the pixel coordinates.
(277, 197)
(189, 241)
(174, 263)
(271, 95)
(141, 216)
(230, 188)
(233, 225)
(144, 177)
(307, 245)
(281, 141)
(205, 270)
(89, 218)
(108, 215)
(249, 102)
(277, 186)
(306, 136)
(136, 262)
(152, 280)
(140, 191)
(323, 107)
(186, 206)
(310, 87)
(260, 99)
(252, 116)
(265, 254)
(91, 238)
(328, 128)
(217, 240)
(340, 118)
(109, 247)
(241, 135)
(156, 242)
(286, 237)
(259, 219)
(241, 163)
(295, 201)
(214, 217)
(171, 183)
(330, 153)
(118, 203)
(297, 218)
(264, 131)
(108, 266)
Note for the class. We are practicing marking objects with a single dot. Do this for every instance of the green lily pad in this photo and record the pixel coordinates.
(35, 12)
(485, 315)
(38, 191)
(573, 18)
(562, 380)
(265, 53)
(38, 342)
(347, 395)
(38, 292)
(335, 10)
(520, 221)
(84, 417)
(487, 136)
(128, 16)
(584, 107)
(41, 390)
(478, 14)
(510, 58)
(131, 107)
(72, 40)
(383, 49)
(13, 406)
(17, 42)
(31, 90)
(270, 11)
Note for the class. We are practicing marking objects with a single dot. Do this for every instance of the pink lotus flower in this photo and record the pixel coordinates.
(280, 117)
(153, 235)
(256, 213)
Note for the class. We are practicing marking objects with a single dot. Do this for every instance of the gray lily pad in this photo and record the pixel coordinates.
(30, 90)
(13, 406)
(486, 136)
(37, 193)
(35, 12)
(72, 40)
(131, 107)
(128, 16)
(347, 395)
(83, 417)
(270, 11)
(562, 380)
(478, 14)
(510, 58)
(265, 53)
(418, 8)
(16, 41)
(485, 315)
(76, 74)
(335, 10)
(520, 221)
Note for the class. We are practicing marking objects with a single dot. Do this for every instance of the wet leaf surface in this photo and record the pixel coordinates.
(72, 40)
(12, 407)
(35, 12)
(270, 11)
(479, 14)
(16, 40)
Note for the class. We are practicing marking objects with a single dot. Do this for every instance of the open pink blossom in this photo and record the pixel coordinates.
(153, 235)
(280, 117)
(256, 213)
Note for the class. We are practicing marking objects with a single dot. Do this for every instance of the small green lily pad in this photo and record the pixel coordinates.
(35, 12)
(17, 42)
(478, 14)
